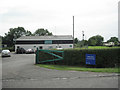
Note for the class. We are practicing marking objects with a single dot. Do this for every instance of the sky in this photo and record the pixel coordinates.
(94, 17)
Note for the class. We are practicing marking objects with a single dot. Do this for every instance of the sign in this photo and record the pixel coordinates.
(48, 41)
(91, 59)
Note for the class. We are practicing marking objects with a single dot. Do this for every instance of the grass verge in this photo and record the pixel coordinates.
(98, 47)
(73, 68)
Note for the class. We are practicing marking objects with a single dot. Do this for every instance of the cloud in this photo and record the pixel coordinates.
(92, 16)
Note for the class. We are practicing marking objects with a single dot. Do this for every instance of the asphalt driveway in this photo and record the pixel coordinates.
(19, 71)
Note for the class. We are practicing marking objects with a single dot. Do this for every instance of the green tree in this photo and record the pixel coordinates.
(95, 40)
(114, 39)
(76, 40)
(42, 32)
(82, 43)
(13, 34)
(85, 42)
(28, 33)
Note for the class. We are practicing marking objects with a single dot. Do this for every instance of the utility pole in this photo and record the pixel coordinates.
(73, 31)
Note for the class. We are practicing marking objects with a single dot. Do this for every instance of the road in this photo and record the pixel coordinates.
(19, 71)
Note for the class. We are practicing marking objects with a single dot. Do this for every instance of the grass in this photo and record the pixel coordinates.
(101, 47)
(73, 68)
(96, 47)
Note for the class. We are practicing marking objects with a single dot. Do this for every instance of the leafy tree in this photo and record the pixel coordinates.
(114, 39)
(82, 43)
(96, 40)
(28, 33)
(76, 40)
(12, 34)
(42, 32)
(85, 42)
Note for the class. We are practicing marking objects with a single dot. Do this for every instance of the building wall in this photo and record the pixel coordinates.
(44, 46)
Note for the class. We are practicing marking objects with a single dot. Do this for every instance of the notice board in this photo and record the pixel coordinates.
(91, 59)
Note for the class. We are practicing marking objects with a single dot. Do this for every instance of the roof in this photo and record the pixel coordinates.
(54, 37)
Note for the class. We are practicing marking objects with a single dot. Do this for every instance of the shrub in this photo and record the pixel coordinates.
(104, 57)
(9, 48)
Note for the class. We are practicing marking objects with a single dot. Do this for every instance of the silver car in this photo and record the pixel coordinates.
(5, 53)
(28, 51)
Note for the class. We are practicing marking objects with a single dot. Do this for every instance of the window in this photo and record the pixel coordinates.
(30, 42)
(62, 41)
(48, 41)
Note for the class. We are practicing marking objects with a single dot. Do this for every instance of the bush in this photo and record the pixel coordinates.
(9, 48)
(104, 57)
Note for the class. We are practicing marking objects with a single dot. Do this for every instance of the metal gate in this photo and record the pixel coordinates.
(43, 56)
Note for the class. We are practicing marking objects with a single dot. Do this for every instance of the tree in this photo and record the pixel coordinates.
(114, 39)
(96, 40)
(28, 33)
(76, 40)
(42, 32)
(82, 43)
(85, 42)
(13, 34)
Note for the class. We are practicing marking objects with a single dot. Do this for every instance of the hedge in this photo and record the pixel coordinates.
(9, 48)
(104, 57)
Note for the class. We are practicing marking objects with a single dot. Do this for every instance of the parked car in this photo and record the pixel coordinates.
(5, 53)
(28, 51)
(20, 51)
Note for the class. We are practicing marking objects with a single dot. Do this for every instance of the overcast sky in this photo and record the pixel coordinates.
(94, 17)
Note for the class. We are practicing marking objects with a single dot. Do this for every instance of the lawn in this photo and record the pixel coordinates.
(98, 47)
(101, 47)
(73, 68)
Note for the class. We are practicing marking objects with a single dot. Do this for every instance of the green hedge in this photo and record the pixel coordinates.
(9, 48)
(104, 57)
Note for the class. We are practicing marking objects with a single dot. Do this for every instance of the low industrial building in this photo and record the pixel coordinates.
(44, 42)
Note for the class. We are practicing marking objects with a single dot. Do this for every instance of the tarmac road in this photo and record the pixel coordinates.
(19, 71)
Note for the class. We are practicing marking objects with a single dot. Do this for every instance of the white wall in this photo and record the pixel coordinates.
(45, 46)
